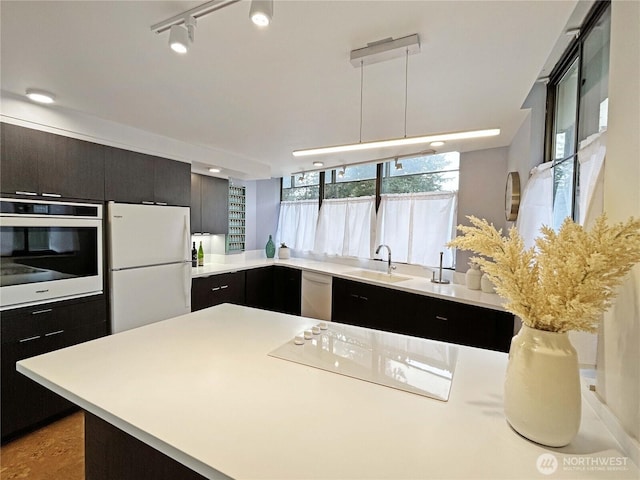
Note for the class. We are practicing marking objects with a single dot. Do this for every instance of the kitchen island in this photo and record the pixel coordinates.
(202, 390)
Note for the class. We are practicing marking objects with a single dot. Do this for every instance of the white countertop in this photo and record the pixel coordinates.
(415, 284)
(202, 389)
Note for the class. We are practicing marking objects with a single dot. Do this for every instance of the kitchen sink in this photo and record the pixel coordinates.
(378, 276)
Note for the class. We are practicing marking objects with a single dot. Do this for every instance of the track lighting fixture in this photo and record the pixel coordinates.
(181, 36)
(398, 164)
(302, 177)
(261, 12)
(342, 171)
(40, 96)
(182, 26)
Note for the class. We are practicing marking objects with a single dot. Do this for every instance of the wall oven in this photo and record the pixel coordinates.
(49, 251)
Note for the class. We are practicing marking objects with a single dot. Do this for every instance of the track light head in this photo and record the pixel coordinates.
(261, 12)
(181, 36)
(398, 164)
(341, 172)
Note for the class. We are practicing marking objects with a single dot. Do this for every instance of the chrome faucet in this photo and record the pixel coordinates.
(389, 266)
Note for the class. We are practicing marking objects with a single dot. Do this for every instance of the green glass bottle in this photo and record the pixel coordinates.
(270, 249)
(200, 255)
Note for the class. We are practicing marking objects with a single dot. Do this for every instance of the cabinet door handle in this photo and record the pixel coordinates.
(29, 339)
(224, 286)
(364, 298)
(215, 289)
(38, 312)
(57, 332)
(354, 295)
(438, 317)
(54, 195)
(147, 203)
(26, 193)
(161, 203)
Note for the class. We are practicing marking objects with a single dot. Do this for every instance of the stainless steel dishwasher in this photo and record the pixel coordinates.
(316, 295)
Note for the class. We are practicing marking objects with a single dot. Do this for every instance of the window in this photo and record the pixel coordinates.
(428, 173)
(301, 187)
(417, 198)
(578, 100)
(352, 181)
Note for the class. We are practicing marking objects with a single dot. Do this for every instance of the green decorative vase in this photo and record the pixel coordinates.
(270, 248)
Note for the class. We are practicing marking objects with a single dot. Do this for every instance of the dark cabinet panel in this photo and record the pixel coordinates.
(287, 286)
(196, 203)
(36, 162)
(33, 331)
(172, 182)
(132, 177)
(75, 169)
(129, 176)
(216, 289)
(215, 205)
(212, 212)
(259, 288)
(22, 150)
(387, 309)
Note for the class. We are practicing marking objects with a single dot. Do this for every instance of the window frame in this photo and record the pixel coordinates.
(575, 51)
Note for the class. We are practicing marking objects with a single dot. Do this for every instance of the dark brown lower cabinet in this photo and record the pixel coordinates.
(112, 454)
(216, 289)
(275, 288)
(31, 331)
(387, 309)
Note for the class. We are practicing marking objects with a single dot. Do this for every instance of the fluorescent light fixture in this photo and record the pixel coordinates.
(214, 170)
(40, 96)
(398, 142)
(436, 144)
(318, 164)
(261, 12)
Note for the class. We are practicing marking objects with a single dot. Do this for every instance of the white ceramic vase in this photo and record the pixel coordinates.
(542, 399)
(283, 253)
(472, 278)
(486, 285)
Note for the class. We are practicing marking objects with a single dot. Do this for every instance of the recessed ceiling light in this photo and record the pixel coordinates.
(318, 164)
(437, 144)
(40, 96)
(214, 170)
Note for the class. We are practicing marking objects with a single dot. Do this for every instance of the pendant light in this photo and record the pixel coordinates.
(378, 52)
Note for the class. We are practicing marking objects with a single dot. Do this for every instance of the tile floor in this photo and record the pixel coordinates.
(54, 452)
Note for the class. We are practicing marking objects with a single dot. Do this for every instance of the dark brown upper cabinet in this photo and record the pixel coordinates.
(36, 163)
(132, 177)
(210, 204)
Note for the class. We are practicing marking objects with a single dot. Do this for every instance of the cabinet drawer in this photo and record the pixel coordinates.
(43, 320)
(216, 289)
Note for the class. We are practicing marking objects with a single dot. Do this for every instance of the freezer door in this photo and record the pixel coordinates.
(147, 235)
(141, 296)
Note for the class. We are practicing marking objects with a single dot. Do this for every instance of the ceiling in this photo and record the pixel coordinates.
(251, 96)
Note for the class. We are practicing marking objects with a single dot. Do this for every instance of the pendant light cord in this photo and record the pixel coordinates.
(406, 89)
(361, 84)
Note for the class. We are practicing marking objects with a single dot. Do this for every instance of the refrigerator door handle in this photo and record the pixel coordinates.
(187, 285)
(187, 235)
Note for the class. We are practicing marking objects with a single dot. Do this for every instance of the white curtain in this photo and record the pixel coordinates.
(536, 207)
(416, 226)
(297, 224)
(345, 227)
(591, 158)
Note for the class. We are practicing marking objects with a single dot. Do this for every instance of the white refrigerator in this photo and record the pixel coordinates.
(149, 264)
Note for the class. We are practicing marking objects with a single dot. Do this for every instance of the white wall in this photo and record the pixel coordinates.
(483, 174)
(618, 371)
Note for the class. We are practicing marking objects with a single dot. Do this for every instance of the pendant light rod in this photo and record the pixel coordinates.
(396, 142)
(406, 90)
(196, 12)
(361, 85)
